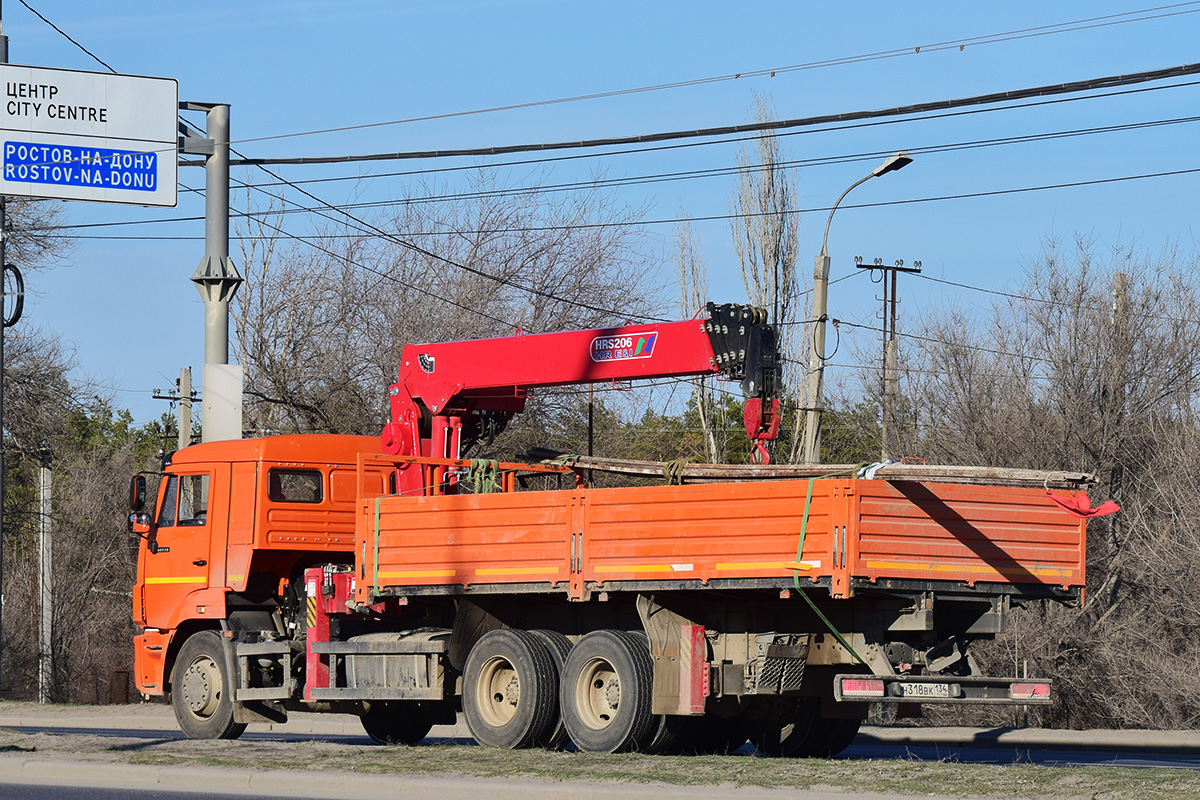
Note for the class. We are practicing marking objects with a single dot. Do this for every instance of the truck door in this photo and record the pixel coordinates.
(190, 518)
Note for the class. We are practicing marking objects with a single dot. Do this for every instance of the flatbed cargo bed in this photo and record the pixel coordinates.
(859, 534)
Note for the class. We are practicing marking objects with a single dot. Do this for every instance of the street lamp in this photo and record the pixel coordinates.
(816, 362)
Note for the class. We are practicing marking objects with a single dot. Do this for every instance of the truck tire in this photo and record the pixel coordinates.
(806, 734)
(201, 690)
(510, 690)
(397, 722)
(559, 647)
(606, 693)
(839, 734)
(717, 736)
(793, 735)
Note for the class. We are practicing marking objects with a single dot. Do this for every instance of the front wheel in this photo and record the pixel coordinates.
(201, 691)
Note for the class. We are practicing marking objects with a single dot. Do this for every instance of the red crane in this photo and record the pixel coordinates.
(450, 395)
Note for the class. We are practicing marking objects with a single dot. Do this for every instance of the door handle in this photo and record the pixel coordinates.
(200, 563)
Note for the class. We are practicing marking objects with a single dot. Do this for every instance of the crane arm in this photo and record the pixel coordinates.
(449, 394)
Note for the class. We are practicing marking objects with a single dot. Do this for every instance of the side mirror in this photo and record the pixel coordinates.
(137, 493)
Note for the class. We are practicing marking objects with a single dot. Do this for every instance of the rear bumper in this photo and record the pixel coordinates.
(941, 689)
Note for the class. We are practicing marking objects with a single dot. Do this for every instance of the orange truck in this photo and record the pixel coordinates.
(315, 572)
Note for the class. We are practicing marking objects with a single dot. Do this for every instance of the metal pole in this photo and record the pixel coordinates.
(216, 233)
(45, 585)
(217, 280)
(3, 272)
(816, 361)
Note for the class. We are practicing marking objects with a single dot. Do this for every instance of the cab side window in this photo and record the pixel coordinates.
(185, 501)
(193, 500)
(295, 486)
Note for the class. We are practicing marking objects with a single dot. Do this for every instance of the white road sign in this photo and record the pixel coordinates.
(73, 135)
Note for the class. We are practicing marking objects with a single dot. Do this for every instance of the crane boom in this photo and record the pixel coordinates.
(450, 394)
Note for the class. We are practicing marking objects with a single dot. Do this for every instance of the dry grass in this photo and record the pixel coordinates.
(441, 760)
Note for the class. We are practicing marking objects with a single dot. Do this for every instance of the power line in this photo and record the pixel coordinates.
(932, 340)
(667, 177)
(67, 36)
(416, 248)
(711, 217)
(1049, 302)
(688, 145)
(346, 260)
(1090, 84)
(662, 177)
(1141, 15)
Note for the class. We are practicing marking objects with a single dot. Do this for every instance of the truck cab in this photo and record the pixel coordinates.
(233, 524)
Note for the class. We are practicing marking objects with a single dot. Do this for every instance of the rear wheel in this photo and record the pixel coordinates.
(607, 691)
(804, 733)
(559, 647)
(839, 734)
(397, 722)
(789, 734)
(201, 692)
(510, 690)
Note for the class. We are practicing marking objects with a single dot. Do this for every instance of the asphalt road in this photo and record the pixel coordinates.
(38, 776)
(936, 745)
(29, 791)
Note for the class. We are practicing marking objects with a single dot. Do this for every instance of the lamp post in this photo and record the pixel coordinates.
(816, 362)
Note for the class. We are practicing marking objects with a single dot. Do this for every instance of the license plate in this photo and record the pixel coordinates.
(924, 689)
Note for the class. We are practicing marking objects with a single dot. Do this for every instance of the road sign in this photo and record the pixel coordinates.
(74, 135)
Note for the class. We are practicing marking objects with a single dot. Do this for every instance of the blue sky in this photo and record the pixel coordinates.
(133, 318)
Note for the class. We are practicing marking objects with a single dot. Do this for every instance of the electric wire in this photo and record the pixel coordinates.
(1071, 87)
(416, 248)
(704, 218)
(1065, 27)
(819, 161)
(67, 36)
(735, 140)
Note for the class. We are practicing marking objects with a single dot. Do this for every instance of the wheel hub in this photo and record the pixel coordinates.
(201, 687)
(598, 693)
(499, 691)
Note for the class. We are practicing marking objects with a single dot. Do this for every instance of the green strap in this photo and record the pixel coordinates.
(799, 555)
(375, 561)
(673, 471)
(484, 475)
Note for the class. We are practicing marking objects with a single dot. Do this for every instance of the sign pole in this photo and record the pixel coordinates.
(3, 314)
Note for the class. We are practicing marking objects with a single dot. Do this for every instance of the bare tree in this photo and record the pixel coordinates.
(320, 328)
(765, 229)
(1094, 364)
(693, 293)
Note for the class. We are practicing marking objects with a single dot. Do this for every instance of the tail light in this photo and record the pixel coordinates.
(1029, 691)
(862, 687)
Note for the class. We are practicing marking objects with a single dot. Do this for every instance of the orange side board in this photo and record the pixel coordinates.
(566, 541)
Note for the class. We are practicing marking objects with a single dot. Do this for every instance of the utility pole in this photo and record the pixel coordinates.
(185, 407)
(891, 358)
(184, 395)
(45, 581)
(216, 278)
